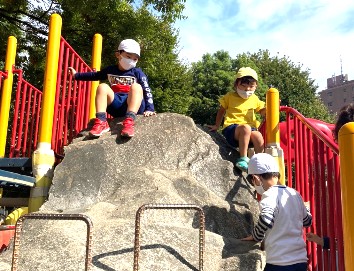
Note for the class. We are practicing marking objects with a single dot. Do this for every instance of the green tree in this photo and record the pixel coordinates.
(296, 88)
(28, 22)
(214, 75)
(212, 78)
(148, 21)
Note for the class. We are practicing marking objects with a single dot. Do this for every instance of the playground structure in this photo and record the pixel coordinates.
(45, 121)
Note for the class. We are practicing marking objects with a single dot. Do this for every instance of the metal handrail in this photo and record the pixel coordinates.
(173, 207)
(19, 226)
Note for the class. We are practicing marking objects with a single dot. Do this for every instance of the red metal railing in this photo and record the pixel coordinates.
(3, 75)
(25, 120)
(71, 111)
(312, 168)
(72, 104)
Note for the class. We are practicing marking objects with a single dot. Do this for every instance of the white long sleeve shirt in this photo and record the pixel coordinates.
(281, 221)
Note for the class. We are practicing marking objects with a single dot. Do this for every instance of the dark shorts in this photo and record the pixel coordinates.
(293, 267)
(119, 106)
(229, 134)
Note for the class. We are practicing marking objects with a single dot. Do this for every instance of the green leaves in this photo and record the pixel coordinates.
(296, 88)
(149, 22)
(176, 87)
(214, 75)
(170, 10)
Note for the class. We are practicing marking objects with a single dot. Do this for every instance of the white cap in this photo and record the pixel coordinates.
(129, 46)
(262, 163)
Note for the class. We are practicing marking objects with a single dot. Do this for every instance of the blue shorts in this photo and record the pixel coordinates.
(229, 134)
(119, 106)
(293, 267)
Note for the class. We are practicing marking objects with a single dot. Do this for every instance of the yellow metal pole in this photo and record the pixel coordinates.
(272, 130)
(6, 92)
(272, 109)
(346, 157)
(43, 158)
(96, 65)
(50, 79)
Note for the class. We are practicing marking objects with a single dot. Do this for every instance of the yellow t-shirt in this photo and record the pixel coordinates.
(239, 110)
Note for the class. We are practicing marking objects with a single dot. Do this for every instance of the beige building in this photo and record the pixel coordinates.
(339, 92)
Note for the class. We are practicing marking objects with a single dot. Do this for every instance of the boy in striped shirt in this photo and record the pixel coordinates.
(282, 218)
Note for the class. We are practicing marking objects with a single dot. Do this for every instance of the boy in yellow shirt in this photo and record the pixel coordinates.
(238, 109)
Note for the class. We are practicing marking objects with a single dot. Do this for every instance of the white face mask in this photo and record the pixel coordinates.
(244, 94)
(259, 188)
(127, 63)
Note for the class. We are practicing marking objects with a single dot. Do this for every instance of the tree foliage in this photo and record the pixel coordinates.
(176, 88)
(214, 75)
(150, 22)
(296, 88)
(28, 22)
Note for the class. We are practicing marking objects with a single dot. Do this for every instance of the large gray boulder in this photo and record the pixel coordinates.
(170, 160)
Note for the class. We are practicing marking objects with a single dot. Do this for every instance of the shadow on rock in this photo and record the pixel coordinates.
(96, 259)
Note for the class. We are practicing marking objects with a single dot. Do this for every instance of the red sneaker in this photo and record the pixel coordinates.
(128, 127)
(99, 127)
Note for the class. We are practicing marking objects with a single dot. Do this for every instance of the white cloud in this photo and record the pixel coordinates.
(313, 33)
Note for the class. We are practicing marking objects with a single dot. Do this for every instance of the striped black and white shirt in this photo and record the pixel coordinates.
(282, 218)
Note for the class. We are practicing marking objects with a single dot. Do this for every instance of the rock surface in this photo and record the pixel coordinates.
(170, 160)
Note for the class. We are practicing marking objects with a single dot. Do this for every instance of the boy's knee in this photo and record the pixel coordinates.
(103, 87)
(135, 87)
(244, 129)
(257, 136)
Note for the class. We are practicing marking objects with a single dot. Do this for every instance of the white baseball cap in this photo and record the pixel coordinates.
(129, 46)
(262, 163)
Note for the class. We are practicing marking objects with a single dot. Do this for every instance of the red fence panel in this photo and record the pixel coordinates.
(25, 118)
(312, 168)
(72, 102)
(3, 75)
(71, 110)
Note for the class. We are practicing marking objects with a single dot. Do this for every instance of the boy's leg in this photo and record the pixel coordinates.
(243, 135)
(135, 96)
(258, 141)
(104, 97)
(134, 100)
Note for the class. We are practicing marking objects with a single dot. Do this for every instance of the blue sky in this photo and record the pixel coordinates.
(315, 33)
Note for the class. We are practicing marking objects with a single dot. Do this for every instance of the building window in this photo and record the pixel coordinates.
(353, 99)
(330, 94)
(329, 104)
(345, 100)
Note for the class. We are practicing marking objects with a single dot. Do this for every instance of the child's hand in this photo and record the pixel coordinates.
(212, 127)
(307, 204)
(310, 236)
(248, 238)
(149, 113)
(72, 71)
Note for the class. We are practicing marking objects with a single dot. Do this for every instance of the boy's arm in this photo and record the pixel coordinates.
(218, 120)
(322, 241)
(265, 222)
(307, 217)
(262, 111)
(261, 107)
(87, 76)
(149, 102)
